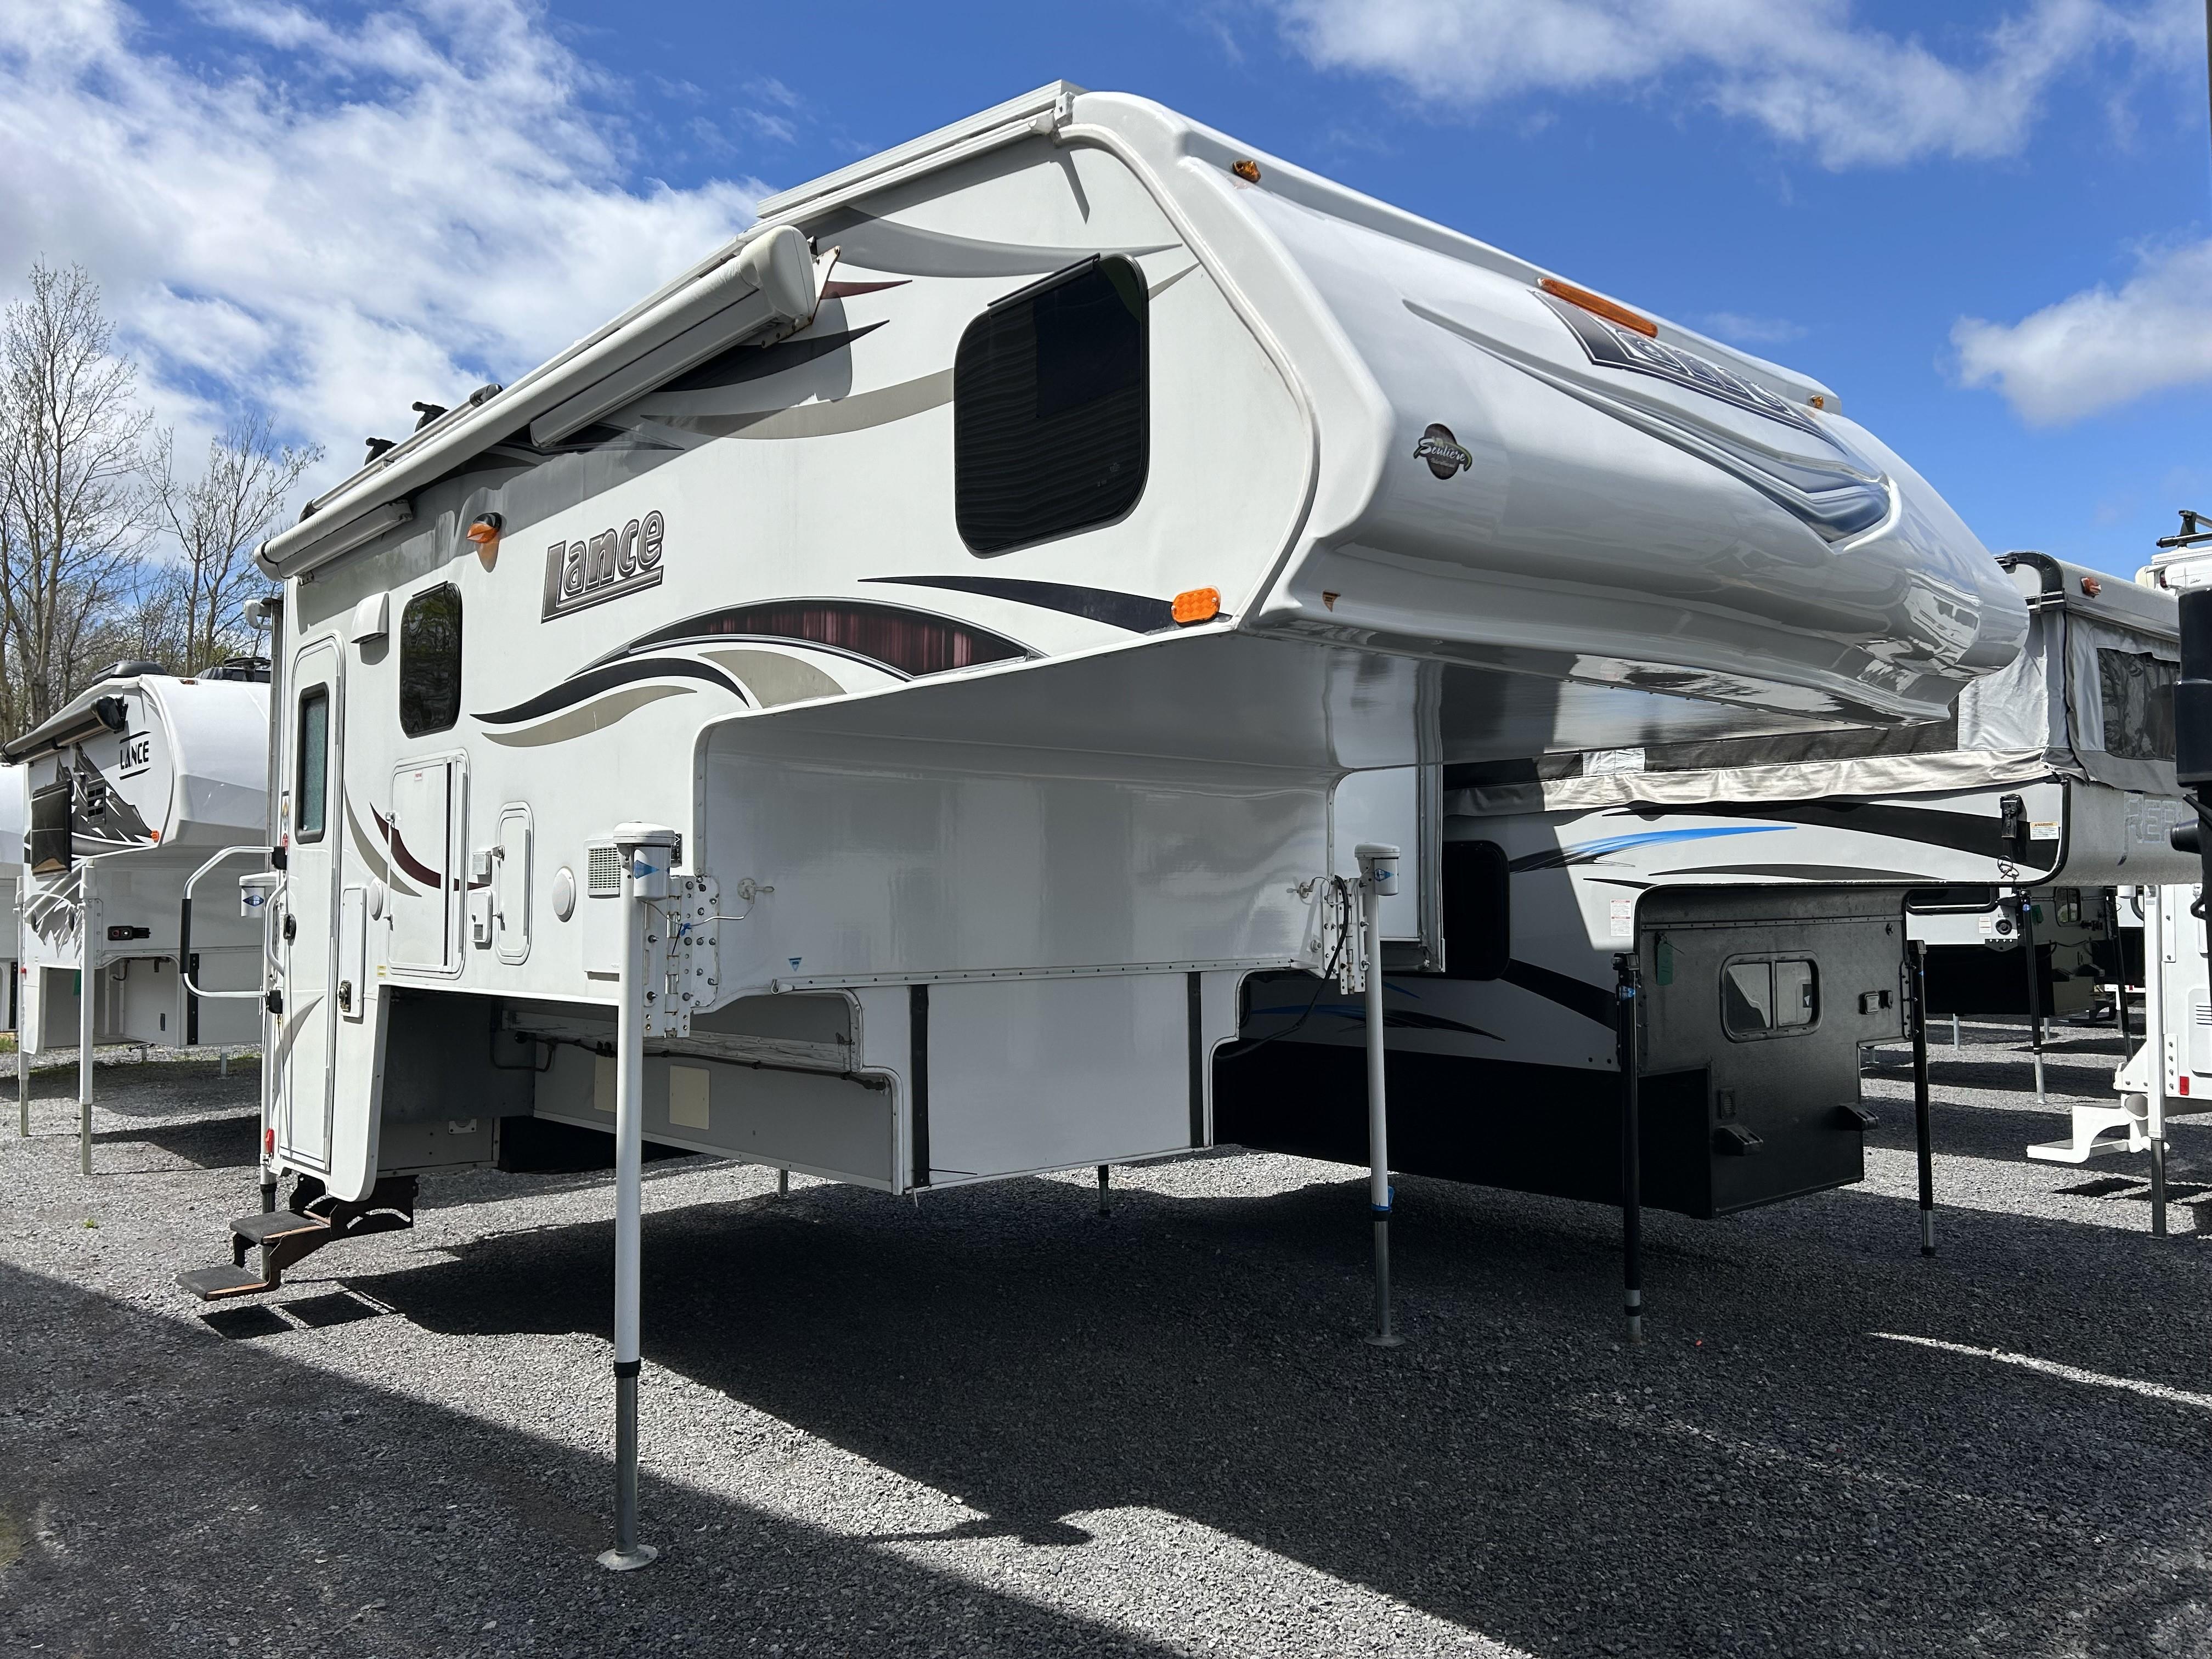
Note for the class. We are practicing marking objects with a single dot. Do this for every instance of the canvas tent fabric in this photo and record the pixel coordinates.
(2090, 697)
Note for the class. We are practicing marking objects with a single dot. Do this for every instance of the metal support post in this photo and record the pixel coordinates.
(1103, 1206)
(783, 1183)
(23, 1078)
(2034, 985)
(644, 876)
(1378, 880)
(1626, 1047)
(1955, 1030)
(1917, 968)
(87, 1001)
(2158, 1183)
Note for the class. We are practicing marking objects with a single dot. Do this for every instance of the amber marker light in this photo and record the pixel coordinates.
(1598, 306)
(1248, 170)
(484, 532)
(1197, 605)
(2090, 587)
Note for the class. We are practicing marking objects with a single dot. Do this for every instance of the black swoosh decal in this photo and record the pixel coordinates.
(752, 363)
(1857, 874)
(590, 681)
(1961, 832)
(1138, 612)
(1575, 996)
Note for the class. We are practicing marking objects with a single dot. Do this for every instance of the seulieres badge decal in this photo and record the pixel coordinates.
(608, 566)
(1444, 453)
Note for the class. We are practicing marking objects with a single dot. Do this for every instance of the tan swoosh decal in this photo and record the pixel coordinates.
(591, 717)
(853, 414)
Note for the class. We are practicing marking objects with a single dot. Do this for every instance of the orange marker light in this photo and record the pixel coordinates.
(1199, 605)
(1598, 306)
(1248, 170)
(2092, 587)
(486, 529)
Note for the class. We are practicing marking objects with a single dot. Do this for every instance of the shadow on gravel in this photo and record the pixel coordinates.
(211, 1143)
(197, 1496)
(1788, 1483)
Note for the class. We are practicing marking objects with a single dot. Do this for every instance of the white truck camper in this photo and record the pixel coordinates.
(1762, 890)
(871, 708)
(15, 821)
(2170, 1074)
(132, 789)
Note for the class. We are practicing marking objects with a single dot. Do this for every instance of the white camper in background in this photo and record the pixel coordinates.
(2170, 1074)
(131, 788)
(14, 819)
(872, 707)
(1765, 886)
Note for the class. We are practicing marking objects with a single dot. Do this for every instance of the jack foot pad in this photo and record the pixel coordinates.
(629, 1561)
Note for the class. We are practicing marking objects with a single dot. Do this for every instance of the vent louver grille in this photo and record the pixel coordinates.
(602, 873)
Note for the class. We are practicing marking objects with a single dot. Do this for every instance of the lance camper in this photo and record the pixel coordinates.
(134, 787)
(1762, 890)
(870, 708)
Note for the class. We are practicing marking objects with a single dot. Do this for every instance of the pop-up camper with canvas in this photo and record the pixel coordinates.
(133, 788)
(870, 707)
(1762, 890)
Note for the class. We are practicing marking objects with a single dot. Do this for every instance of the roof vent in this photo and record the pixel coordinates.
(130, 668)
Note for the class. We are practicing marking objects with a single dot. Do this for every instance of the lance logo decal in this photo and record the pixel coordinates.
(609, 565)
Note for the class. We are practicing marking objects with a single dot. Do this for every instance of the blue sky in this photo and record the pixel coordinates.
(1988, 233)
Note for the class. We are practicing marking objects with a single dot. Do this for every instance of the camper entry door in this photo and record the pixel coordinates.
(314, 774)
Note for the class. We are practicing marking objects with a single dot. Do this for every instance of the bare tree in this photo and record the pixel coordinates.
(217, 520)
(74, 514)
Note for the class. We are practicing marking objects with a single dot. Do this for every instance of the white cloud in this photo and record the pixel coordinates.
(2101, 348)
(334, 219)
(1804, 69)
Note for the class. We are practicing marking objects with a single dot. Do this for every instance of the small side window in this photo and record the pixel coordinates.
(1478, 911)
(1769, 996)
(430, 661)
(311, 786)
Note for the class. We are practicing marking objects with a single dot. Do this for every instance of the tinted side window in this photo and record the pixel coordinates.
(1478, 910)
(2137, 689)
(1769, 996)
(430, 661)
(1050, 423)
(314, 764)
(51, 849)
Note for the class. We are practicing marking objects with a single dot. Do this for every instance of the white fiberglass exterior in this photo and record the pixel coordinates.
(743, 606)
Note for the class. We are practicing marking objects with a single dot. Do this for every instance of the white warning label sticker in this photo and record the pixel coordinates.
(1623, 918)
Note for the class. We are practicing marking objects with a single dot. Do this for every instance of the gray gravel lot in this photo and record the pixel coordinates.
(995, 1423)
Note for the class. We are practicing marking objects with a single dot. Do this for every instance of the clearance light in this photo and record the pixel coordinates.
(1248, 170)
(1199, 605)
(484, 532)
(1598, 304)
(2090, 587)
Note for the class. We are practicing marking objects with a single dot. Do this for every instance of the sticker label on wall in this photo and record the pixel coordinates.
(2043, 830)
(1623, 918)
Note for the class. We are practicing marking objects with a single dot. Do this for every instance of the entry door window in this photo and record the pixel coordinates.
(1769, 996)
(312, 786)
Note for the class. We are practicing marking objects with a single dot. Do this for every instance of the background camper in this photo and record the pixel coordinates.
(131, 788)
(870, 708)
(1760, 890)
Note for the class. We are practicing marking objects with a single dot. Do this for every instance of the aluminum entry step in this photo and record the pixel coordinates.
(267, 1228)
(216, 1284)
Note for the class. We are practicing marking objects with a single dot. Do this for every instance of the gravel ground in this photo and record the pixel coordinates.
(995, 1423)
